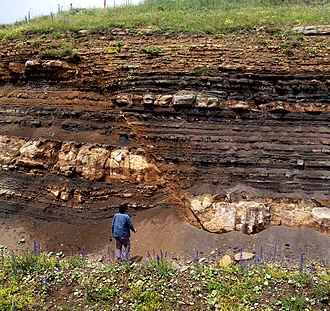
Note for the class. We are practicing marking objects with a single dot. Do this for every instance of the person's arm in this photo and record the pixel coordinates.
(113, 225)
(130, 225)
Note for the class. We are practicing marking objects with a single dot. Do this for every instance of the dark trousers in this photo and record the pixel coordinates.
(123, 255)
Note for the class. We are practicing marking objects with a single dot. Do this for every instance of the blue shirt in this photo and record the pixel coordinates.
(121, 226)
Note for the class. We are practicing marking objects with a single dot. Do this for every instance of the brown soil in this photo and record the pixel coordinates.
(160, 230)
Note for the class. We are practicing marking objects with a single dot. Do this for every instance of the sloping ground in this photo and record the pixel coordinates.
(233, 131)
(160, 230)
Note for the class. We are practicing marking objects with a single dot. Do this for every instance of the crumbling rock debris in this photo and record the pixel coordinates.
(313, 30)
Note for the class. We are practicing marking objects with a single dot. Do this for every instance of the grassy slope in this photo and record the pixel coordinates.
(210, 16)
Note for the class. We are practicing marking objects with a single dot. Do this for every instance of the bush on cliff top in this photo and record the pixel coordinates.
(209, 16)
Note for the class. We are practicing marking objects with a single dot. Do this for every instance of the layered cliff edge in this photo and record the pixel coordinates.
(232, 130)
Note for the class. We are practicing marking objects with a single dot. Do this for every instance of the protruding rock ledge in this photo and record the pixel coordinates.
(252, 215)
(191, 99)
(313, 30)
(91, 162)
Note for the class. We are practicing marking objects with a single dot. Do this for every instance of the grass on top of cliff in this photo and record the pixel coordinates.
(40, 281)
(205, 16)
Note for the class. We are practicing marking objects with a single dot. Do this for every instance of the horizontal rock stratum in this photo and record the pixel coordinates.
(234, 133)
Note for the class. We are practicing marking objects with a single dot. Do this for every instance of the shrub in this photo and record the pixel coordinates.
(152, 50)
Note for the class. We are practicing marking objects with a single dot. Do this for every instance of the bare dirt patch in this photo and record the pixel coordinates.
(160, 230)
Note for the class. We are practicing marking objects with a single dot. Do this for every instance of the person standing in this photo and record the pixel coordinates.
(121, 230)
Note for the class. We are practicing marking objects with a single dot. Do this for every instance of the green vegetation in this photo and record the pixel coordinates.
(207, 16)
(65, 51)
(34, 281)
(114, 47)
(152, 50)
(166, 58)
(202, 69)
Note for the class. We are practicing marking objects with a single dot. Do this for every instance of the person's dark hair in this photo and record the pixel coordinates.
(122, 209)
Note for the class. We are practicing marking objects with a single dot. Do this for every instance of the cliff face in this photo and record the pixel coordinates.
(234, 131)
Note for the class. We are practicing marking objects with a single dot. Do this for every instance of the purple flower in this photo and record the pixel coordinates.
(83, 252)
(36, 248)
(301, 264)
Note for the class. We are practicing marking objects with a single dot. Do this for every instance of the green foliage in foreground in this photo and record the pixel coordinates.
(34, 281)
(208, 16)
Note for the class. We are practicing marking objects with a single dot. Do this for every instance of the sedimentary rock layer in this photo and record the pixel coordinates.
(238, 138)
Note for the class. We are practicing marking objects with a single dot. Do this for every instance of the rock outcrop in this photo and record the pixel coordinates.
(234, 134)
(252, 216)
